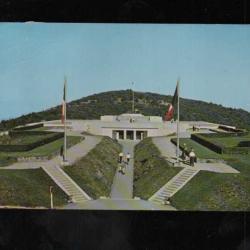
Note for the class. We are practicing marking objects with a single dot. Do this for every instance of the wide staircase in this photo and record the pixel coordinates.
(174, 185)
(66, 183)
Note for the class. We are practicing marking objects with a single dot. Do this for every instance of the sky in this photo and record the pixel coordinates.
(212, 61)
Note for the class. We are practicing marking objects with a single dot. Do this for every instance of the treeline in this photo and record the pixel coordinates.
(118, 102)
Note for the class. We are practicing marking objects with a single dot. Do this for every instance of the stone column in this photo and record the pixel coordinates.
(134, 135)
(141, 135)
(125, 134)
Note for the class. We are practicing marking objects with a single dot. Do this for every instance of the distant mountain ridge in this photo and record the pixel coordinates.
(118, 102)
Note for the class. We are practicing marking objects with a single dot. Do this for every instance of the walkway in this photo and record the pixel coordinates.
(74, 153)
(65, 183)
(113, 204)
(122, 187)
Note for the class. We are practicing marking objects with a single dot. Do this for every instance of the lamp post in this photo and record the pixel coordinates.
(133, 99)
(51, 197)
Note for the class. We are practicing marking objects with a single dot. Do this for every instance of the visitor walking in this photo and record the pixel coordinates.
(120, 157)
(128, 157)
(192, 157)
(183, 155)
(61, 152)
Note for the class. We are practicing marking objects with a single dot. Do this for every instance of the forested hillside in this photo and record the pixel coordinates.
(117, 102)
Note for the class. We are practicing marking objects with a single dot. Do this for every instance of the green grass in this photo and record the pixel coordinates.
(229, 141)
(7, 158)
(151, 171)
(95, 172)
(200, 150)
(28, 188)
(26, 139)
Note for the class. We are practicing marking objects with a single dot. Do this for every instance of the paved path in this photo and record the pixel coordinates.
(74, 153)
(216, 167)
(166, 147)
(168, 150)
(65, 183)
(113, 204)
(122, 187)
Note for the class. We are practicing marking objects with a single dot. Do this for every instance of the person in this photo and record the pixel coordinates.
(120, 168)
(120, 157)
(61, 152)
(123, 168)
(128, 157)
(192, 157)
(167, 201)
(183, 155)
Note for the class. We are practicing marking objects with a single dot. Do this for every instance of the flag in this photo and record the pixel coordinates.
(64, 102)
(170, 113)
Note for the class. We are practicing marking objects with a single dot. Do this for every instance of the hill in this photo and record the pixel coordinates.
(117, 102)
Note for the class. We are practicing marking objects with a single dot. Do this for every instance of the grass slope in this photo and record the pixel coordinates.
(151, 171)
(28, 188)
(95, 172)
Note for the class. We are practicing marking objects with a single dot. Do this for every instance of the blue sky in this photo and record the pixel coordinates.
(213, 62)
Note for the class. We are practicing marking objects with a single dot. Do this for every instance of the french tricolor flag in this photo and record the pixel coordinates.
(170, 112)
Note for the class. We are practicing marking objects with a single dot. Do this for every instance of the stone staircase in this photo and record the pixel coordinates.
(66, 183)
(174, 185)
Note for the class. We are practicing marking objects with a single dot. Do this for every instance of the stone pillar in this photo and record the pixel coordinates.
(125, 134)
(117, 135)
(141, 135)
(134, 135)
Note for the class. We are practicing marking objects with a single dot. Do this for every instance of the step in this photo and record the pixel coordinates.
(66, 183)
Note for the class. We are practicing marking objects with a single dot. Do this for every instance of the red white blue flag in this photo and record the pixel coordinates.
(170, 112)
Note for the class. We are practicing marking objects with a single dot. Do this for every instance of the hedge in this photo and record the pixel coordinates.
(28, 127)
(223, 134)
(230, 129)
(27, 147)
(29, 132)
(202, 140)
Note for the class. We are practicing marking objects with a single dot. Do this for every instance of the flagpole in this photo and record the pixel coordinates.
(65, 118)
(133, 102)
(178, 121)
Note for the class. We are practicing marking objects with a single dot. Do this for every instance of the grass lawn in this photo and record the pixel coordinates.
(28, 188)
(231, 141)
(7, 158)
(200, 150)
(95, 172)
(151, 171)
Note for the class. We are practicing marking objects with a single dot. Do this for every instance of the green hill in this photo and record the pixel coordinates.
(117, 102)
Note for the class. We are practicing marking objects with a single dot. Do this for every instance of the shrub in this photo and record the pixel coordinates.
(29, 146)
